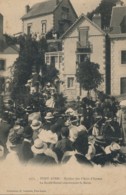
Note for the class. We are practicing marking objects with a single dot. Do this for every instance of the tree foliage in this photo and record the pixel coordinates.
(105, 9)
(88, 75)
(31, 57)
(10, 40)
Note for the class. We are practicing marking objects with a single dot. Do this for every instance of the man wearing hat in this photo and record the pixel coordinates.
(4, 130)
(36, 126)
(40, 158)
(49, 120)
(25, 153)
(64, 144)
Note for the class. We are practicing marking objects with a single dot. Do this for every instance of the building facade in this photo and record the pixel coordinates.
(118, 50)
(8, 55)
(83, 39)
(49, 17)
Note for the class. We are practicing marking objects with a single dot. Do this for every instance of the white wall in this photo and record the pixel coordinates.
(9, 60)
(36, 24)
(97, 40)
(118, 70)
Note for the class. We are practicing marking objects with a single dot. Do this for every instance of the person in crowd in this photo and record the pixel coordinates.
(81, 126)
(13, 149)
(49, 118)
(121, 118)
(79, 155)
(64, 144)
(100, 157)
(25, 153)
(4, 132)
(50, 139)
(2, 153)
(96, 130)
(36, 126)
(73, 128)
(91, 148)
(41, 155)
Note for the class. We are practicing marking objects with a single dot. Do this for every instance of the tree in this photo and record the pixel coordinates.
(31, 56)
(10, 40)
(105, 9)
(88, 75)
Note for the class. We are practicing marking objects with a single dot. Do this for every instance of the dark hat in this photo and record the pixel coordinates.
(65, 131)
(15, 139)
(28, 133)
(100, 140)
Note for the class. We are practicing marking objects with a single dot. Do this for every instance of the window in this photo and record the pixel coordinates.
(70, 82)
(56, 59)
(2, 64)
(29, 29)
(65, 13)
(60, 59)
(123, 85)
(83, 36)
(47, 60)
(82, 57)
(43, 26)
(2, 82)
(123, 57)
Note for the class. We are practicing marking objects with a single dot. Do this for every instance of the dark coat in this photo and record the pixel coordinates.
(4, 132)
(80, 159)
(25, 153)
(42, 159)
(62, 146)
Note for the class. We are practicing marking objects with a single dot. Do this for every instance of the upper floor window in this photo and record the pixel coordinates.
(47, 60)
(70, 82)
(2, 82)
(29, 29)
(83, 36)
(2, 64)
(123, 57)
(65, 13)
(123, 85)
(44, 26)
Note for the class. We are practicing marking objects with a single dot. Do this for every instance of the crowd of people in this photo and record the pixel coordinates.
(91, 133)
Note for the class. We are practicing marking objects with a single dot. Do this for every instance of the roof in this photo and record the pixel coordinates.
(43, 8)
(82, 16)
(117, 16)
(13, 49)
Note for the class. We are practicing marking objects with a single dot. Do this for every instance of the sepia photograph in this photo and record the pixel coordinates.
(63, 97)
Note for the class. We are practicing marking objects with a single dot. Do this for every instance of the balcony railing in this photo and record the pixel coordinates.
(54, 45)
(87, 48)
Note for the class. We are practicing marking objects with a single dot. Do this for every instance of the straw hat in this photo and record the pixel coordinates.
(48, 137)
(36, 124)
(49, 115)
(39, 147)
(18, 129)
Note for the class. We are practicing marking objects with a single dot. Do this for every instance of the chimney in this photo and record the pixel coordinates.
(27, 8)
(1, 26)
(97, 19)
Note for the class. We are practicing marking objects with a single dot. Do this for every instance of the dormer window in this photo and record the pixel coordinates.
(44, 26)
(29, 29)
(83, 36)
(65, 13)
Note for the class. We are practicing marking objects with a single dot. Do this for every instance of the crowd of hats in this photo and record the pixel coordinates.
(44, 132)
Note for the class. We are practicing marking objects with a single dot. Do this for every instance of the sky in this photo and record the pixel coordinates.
(13, 10)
